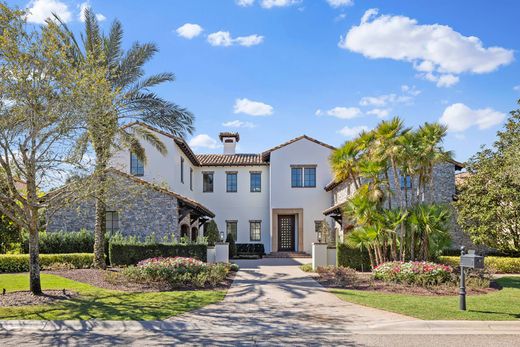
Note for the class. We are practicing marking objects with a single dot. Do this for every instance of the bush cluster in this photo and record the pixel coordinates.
(62, 242)
(354, 258)
(506, 265)
(132, 253)
(413, 272)
(250, 249)
(20, 262)
(337, 276)
(177, 272)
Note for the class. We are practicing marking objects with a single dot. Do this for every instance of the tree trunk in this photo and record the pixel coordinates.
(401, 201)
(100, 226)
(34, 261)
(371, 256)
(389, 190)
(412, 244)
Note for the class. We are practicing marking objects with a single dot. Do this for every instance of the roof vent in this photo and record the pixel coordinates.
(229, 140)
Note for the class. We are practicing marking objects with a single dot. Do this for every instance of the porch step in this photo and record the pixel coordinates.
(288, 255)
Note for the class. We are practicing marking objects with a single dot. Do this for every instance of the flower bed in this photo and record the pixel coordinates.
(178, 272)
(418, 273)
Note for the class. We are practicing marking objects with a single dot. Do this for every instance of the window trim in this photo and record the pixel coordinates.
(228, 173)
(302, 168)
(251, 173)
(259, 222)
(212, 173)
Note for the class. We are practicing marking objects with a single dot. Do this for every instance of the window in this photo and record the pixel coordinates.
(303, 177)
(408, 181)
(136, 166)
(182, 170)
(255, 230)
(191, 178)
(231, 228)
(207, 182)
(112, 221)
(296, 177)
(256, 182)
(231, 182)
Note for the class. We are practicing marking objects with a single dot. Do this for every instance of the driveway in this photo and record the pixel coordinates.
(271, 302)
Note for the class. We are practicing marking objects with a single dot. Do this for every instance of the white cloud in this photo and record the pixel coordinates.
(223, 38)
(340, 3)
(459, 117)
(379, 112)
(204, 141)
(252, 108)
(383, 100)
(517, 88)
(238, 124)
(278, 3)
(354, 131)
(437, 51)
(413, 91)
(250, 40)
(100, 17)
(40, 10)
(245, 3)
(189, 30)
(341, 112)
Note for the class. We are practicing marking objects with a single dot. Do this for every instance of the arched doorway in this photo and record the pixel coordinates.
(194, 234)
(185, 231)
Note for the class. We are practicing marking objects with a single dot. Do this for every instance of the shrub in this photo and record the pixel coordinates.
(20, 262)
(177, 272)
(234, 267)
(211, 233)
(506, 265)
(354, 258)
(306, 267)
(62, 242)
(250, 249)
(419, 273)
(337, 276)
(131, 254)
(232, 246)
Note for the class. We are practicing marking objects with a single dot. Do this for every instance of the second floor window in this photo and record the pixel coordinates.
(256, 182)
(136, 166)
(112, 221)
(303, 177)
(231, 229)
(182, 170)
(231, 182)
(191, 178)
(207, 182)
(406, 181)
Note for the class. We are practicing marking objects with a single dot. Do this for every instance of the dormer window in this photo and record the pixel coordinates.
(136, 166)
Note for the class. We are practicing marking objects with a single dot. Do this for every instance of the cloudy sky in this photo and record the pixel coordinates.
(275, 69)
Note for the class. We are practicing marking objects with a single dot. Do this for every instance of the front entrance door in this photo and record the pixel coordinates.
(286, 233)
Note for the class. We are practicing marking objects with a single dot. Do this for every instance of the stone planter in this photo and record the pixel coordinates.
(331, 255)
(211, 253)
(319, 255)
(222, 252)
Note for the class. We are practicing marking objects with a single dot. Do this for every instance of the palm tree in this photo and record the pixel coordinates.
(391, 220)
(344, 162)
(363, 238)
(431, 222)
(130, 100)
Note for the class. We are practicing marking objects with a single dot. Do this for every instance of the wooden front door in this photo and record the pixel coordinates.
(286, 233)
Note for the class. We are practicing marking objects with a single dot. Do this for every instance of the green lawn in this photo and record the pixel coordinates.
(103, 304)
(500, 305)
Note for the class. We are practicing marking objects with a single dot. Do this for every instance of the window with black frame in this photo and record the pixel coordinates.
(231, 182)
(136, 166)
(256, 182)
(231, 229)
(112, 221)
(303, 177)
(207, 182)
(255, 230)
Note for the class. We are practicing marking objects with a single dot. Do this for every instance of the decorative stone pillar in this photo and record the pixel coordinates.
(319, 255)
(222, 252)
(331, 255)
(211, 255)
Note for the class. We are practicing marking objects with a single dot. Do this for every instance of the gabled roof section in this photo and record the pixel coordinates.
(240, 159)
(266, 154)
(190, 202)
(185, 148)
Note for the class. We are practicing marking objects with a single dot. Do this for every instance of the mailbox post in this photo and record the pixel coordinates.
(470, 261)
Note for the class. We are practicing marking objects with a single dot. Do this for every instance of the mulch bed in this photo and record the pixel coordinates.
(24, 298)
(365, 282)
(112, 279)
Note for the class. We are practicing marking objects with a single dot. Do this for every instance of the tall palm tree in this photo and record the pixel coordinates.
(131, 100)
(364, 238)
(344, 162)
(431, 222)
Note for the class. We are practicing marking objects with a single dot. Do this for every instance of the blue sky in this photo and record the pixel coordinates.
(275, 69)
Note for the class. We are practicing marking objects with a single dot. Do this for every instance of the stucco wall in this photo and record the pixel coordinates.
(313, 201)
(142, 211)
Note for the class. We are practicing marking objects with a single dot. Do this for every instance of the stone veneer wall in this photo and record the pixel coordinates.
(142, 211)
(443, 192)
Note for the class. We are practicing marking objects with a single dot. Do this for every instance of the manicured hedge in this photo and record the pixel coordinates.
(506, 265)
(62, 242)
(131, 254)
(354, 258)
(20, 262)
(250, 249)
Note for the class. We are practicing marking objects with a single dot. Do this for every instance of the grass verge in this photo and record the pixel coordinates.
(103, 304)
(499, 305)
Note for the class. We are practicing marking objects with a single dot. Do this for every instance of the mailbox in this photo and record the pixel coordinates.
(472, 261)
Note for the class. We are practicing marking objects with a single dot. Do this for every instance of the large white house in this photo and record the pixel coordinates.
(278, 197)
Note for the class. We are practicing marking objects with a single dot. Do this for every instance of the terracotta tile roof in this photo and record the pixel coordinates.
(190, 202)
(267, 153)
(228, 134)
(240, 159)
(461, 177)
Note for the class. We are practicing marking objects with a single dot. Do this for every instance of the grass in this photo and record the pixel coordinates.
(499, 305)
(103, 304)
(306, 267)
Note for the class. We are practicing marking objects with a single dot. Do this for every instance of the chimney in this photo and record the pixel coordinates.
(229, 140)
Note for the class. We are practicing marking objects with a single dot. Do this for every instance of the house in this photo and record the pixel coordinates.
(278, 197)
